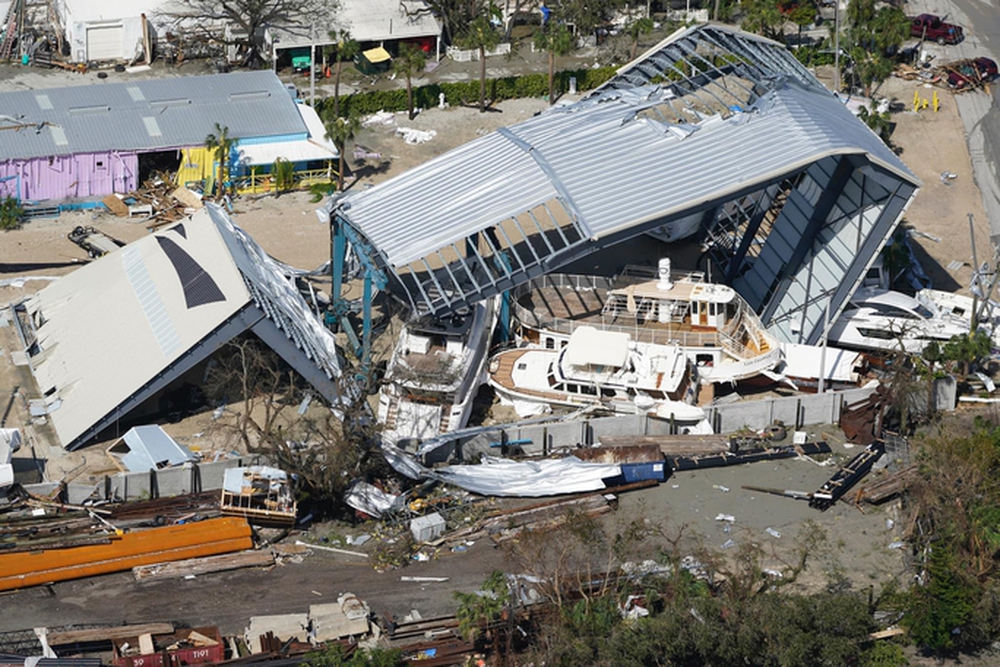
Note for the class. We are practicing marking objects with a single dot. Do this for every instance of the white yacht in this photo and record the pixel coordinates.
(434, 372)
(599, 368)
(710, 323)
(878, 319)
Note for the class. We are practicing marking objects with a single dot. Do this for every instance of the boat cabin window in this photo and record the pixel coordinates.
(521, 366)
(876, 333)
(705, 360)
(572, 388)
(552, 380)
(550, 343)
(588, 390)
(924, 312)
(562, 344)
(607, 393)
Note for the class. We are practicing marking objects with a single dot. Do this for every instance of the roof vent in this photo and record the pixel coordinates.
(251, 95)
(179, 102)
(100, 108)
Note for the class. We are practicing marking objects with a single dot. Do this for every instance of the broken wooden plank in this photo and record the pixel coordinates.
(116, 206)
(206, 565)
(108, 633)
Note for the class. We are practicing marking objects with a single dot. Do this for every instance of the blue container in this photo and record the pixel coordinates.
(640, 472)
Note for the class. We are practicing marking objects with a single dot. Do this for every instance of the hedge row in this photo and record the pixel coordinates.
(466, 92)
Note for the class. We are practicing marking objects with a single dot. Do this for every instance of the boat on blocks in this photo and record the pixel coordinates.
(434, 372)
(710, 323)
(602, 369)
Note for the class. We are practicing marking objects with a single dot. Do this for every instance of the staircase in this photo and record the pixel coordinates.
(10, 30)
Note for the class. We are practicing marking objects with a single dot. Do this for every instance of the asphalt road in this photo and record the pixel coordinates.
(981, 112)
(229, 599)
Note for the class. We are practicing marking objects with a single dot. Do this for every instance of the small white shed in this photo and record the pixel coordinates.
(105, 30)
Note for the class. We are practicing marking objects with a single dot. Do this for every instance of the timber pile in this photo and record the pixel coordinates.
(506, 524)
(887, 486)
(157, 200)
(197, 566)
(672, 445)
(106, 634)
(32, 523)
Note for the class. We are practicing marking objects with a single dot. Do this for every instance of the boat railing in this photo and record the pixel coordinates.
(637, 332)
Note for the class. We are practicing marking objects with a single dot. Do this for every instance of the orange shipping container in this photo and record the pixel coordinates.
(145, 547)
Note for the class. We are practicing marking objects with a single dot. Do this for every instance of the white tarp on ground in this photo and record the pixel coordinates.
(369, 499)
(530, 479)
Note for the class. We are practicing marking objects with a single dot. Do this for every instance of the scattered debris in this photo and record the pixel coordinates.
(260, 493)
(207, 565)
(888, 485)
(846, 477)
(96, 243)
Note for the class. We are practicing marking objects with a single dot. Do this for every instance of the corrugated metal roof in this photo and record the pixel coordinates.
(145, 115)
(618, 169)
(707, 117)
(101, 342)
(316, 147)
(148, 447)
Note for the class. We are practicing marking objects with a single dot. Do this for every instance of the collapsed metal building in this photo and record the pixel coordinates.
(713, 134)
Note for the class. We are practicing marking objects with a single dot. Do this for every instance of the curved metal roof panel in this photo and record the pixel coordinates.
(473, 186)
(617, 168)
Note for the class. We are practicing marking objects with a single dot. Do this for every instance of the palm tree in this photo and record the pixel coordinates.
(220, 145)
(481, 35)
(340, 131)
(556, 39)
(345, 48)
(411, 59)
(637, 28)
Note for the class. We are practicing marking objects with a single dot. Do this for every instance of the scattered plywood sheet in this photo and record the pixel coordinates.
(187, 197)
(284, 627)
(199, 566)
(345, 618)
(116, 206)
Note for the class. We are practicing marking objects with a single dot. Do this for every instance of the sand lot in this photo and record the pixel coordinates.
(857, 543)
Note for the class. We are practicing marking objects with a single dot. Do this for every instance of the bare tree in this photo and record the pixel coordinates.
(249, 18)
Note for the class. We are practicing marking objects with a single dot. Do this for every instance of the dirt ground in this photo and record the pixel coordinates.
(857, 543)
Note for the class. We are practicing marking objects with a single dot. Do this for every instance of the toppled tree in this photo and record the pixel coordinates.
(209, 19)
(266, 405)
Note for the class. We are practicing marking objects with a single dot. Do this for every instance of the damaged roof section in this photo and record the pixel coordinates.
(709, 116)
(110, 335)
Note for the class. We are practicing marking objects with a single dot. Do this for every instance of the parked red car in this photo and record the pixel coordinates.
(972, 72)
(928, 26)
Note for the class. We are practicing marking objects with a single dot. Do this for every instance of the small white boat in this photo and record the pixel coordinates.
(434, 373)
(878, 319)
(602, 369)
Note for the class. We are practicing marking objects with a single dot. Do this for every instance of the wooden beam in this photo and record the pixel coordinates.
(108, 634)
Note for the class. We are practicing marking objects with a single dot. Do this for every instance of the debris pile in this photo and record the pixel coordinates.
(157, 202)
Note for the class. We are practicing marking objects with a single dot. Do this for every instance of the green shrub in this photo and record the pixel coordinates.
(11, 213)
(466, 92)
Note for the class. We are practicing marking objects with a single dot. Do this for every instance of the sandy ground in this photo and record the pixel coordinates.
(856, 543)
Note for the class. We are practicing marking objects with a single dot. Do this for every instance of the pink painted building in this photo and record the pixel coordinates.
(90, 141)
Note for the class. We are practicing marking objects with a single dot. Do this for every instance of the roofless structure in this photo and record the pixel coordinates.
(713, 132)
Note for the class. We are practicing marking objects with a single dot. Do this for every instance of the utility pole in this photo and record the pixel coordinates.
(836, 46)
(312, 65)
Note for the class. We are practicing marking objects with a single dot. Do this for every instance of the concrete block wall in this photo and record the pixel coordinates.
(794, 411)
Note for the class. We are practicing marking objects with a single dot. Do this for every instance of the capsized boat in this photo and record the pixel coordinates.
(710, 323)
(603, 369)
(434, 372)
